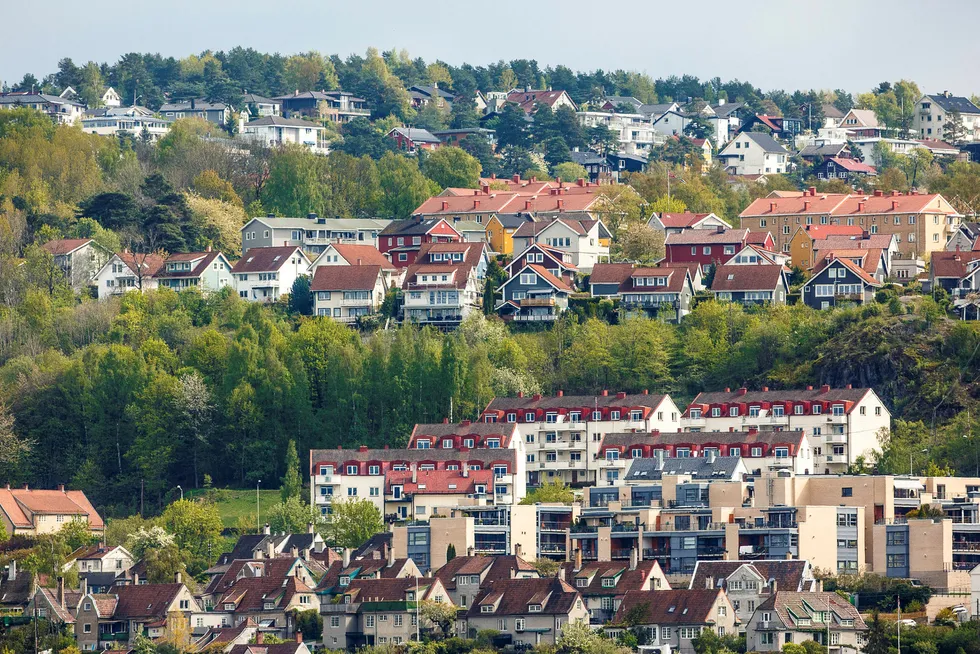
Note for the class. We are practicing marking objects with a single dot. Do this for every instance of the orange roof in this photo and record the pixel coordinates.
(65, 245)
(18, 503)
(366, 255)
(820, 232)
(869, 257)
(453, 204)
(821, 203)
(551, 279)
(150, 262)
(837, 204)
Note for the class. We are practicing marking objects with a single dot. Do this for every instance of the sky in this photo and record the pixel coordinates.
(784, 44)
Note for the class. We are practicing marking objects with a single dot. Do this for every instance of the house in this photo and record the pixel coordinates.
(622, 104)
(866, 146)
(603, 584)
(128, 271)
(873, 261)
(529, 99)
(530, 611)
(259, 106)
(296, 646)
(110, 98)
(728, 112)
(674, 618)
(838, 281)
(17, 587)
(401, 240)
(595, 165)
(268, 565)
(635, 134)
(379, 612)
(940, 148)
(705, 246)
(800, 247)
(347, 293)
(964, 238)
(61, 110)
(55, 605)
(586, 240)
(947, 270)
(134, 122)
(750, 284)
(208, 271)
(99, 558)
(336, 106)
(312, 233)
(752, 255)
(665, 291)
(861, 123)
(920, 223)
(265, 273)
(32, 512)
(792, 617)
(269, 601)
(412, 139)
(155, 610)
(675, 223)
(780, 127)
(555, 261)
(80, 259)
(419, 494)
(501, 228)
(754, 153)
(750, 583)
(934, 112)
(843, 168)
(821, 150)
(459, 252)
(832, 116)
(423, 94)
(533, 293)
(641, 468)
(841, 424)
(623, 163)
(463, 576)
(218, 113)
(886, 243)
(276, 130)
(704, 146)
(343, 254)
(223, 639)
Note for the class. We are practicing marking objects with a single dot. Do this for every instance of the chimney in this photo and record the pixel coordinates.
(208, 248)
(259, 638)
(860, 207)
(561, 205)
(415, 474)
(728, 389)
(266, 529)
(294, 552)
(580, 181)
(517, 549)
(84, 586)
(12, 570)
(485, 188)
(61, 592)
(894, 205)
(621, 395)
(813, 191)
(742, 391)
(136, 579)
(178, 578)
(772, 586)
(516, 179)
(299, 637)
(445, 421)
(633, 559)
(466, 423)
(445, 204)
(527, 205)
(26, 487)
(709, 582)
(305, 554)
(362, 448)
(772, 207)
(561, 572)
(879, 193)
(536, 397)
(824, 389)
(466, 470)
(719, 229)
(806, 205)
(61, 487)
(605, 393)
(469, 551)
(346, 557)
(646, 391)
(578, 559)
(270, 550)
(391, 557)
(848, 387)
(561, 393)
(765, 389)
(520, 393)
(309, 527)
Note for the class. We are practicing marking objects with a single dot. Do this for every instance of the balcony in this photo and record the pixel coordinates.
(538, 302)
(324, 499)
(614, 463)
(837, 420)
(620, 553)
(366, 303)
(326, 480)
(552, 548)
(835, 438)
(561, 465)
(118, 636)
(535, 317)
(547, 525)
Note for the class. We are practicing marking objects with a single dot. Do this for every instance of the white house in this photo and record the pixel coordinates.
(346, 293)
(263, 274)
(128, 271)
(675, 223)
(932, 114)
(586, 240)
(208, 271)
(276, 130)
(754, 153)
(636, 132)
(110, 98)
(79, 258)
(133, 121)
(440, 294)
(346, 254)
(61, 110)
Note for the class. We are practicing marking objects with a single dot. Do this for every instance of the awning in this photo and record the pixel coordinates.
(908, 484)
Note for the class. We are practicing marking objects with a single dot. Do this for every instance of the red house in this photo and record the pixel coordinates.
(706, 246)
(402, 240)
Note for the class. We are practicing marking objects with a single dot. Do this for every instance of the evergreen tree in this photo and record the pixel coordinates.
(292, 481)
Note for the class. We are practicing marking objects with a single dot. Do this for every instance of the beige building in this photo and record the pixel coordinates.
(789, 617)
(346, 293)
(31, 512)
(674, 618)
(531, 611)
(106, 621)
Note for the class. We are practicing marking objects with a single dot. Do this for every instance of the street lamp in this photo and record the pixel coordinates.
(181, 492)
(258, 524)
(977, 451)
(910, 460)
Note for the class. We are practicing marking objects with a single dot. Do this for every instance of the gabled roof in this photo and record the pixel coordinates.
(676, 277)
(473, 252)
(64, 246)
(818, 394)
(682, 220)
(610, 273)
(735, 278)
(150, 263)
(201, 261)
(363, 255)
(17, 502)
(557, 283)
(847, 263)
(416, 134)
(279, 121)
(439, 482)
(666, 607)
(527, 99)
(278, 648)
(512, 597)
(595, 571)
(412, 226)
(491, 568)
(199, 105)
(854, 166)
(865, 118)
(786, 604)
(955, 103)
(854, 242)
(707, 237)
(388, 590)
(826, 150)
(790, 575)
(951, 264)
(145, 600)
(868, 258)
(251, 593)
(553, 254)
(345, 278)
(267, 259)
(458, 274)
(763, 140)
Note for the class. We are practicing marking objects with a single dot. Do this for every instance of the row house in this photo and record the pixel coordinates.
(751, 284)
(154, 610)
(380, 612)
(790, 617)
(459, 448)
(312, 233)
(561, 434)
(31, 512)
(263, 562)
(748, 584)
(664, 292)
(363, 565)
(265, 273)
(463, 576)
(841, 423)
(603, 584)
(208, 271)
(531, 611)
(401, 241)
(675, 223)
(920, 223)
(269, 601)
(839, 280)
(128, 271)
(673, 619)
(348, 293)
(80, 259)
(533, 293)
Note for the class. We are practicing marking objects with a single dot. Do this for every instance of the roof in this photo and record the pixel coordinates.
(855, 241)
(726, 109)
(596, 571)
(16, 503)
(145, 600)
(826, 150)
(936, 145)
(255, 98)
(854, 166)
(279, 121)
(490, 568)
(416, 134)
(473, 252)
(526, 100)
(411, 226)
(662, 607)
(681, 220)
(951, 264)
(820, 232)
(616, 100)
(767, 437)
(868, 258)
(345, 278)
(699, 467)
(545, 402)
(17, 97)
(610, 273)
(251, 593)
(150, 262)
(762, 277)
(199, 105)
(847, 263)
(676, 276)
(408, 455)
(764, 141)
(788, 574)
(866, 118)
(326, 224)
(588, 159)
(465, 428)
(542, 272)
(476, 203)
(457, 274)
(758, 237)
(817, 394)
(387, 590)
(655, 109)
(830, 111)
(954, 103)
(366, 255)
(65, 245)
(439, 482)
(266, 259)
(785, 603)
(707, 236)
(203, 260)
(278, 648)
(512, 597)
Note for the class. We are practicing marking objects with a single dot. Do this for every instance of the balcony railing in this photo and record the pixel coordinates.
(547, 525)
(535, 317)
(552, 548)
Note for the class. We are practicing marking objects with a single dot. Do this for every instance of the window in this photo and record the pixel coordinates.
(847, 492)
(609, 582)
(185, 605)
(369, 621)
(734, 585)
(351, 492)
(398, 620)
(756, 451)
(664, 634)
(352, 470)
(528, 279)
(733, 411)
(636, 416)
(87, 628)
(374, 470)
(519, 624)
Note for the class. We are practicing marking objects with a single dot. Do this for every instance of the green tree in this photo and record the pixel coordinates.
(452, 167)
(77, 534)
(403, 186)
(450, 552)
(877, 640)
(292, 482)
(353, 522)
(640, 242)
(196, 527)
(292, 516)
(954, 131)
(569, 171)
(555, 491)
(699, 127)
(603, 140)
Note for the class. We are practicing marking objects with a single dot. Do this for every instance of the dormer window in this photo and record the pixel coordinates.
(374, 470)
(422, 444)
(551, 417)
(733, 411)
(609, 582)
(612, 455)
(582, 582)
(268, 606)
(511, 417)
(447, 443)
(636, 416)
(468, 442)
(229, 606)
(534, 608)
(345, 581)
(352, 470)
(493, 443)
(695, 414)
(575, 416)
(817, 409)
(481, 489)
(486, 608)
(798, 409)
(636, 453)
(529, 417)
(597, 415)
(614, 415)
(715, 412)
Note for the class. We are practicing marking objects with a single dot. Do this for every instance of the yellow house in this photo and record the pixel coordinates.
(31, 512)
(500, 231)
(801, 245)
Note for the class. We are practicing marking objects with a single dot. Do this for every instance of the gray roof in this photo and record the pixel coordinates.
(469, 226)
(955, 103)
(624, 99)
(766, 142)
(699, 467)
(588, 159)
(199, 105)
(329, 223)
(135, 112)
(514, 220)
(726, 109)
(417, 134)
(254, 98)
(830, 111)
(282, 122)
(428, 90)
(829, 150)
(654, 109)
(34, 98)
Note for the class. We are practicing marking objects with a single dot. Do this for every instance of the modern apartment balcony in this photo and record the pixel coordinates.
(619, 464)
(837, 420)
(561, 444)
(326, 480)
(534, 317)
(836, 459)
(561, 465)
(552, 548)
(547, 525)
(695, 422)
(835, 438)
(324, 499)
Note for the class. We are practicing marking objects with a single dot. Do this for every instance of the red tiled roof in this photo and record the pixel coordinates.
(861, 241)
(14, 502)
(365, 255)
(758, 238)
(785, 603)
(266, 259)
(512, 597)
(150, 262)
(675, 280)
(610, 273)
(820, 232)
(854, 166)
(440, 482)
(65, 245)
(950, 264)
(868, 259)
(494, 202)
(822, 203)
(551, 279)
(500, 567)
(388, 590)
(680, 220)
(818, 394)
(762, 277)
(596, 571)
(666, 607)
(345, 278)
(472, 252)
(251, 594)
(527, 99)
(458, 274)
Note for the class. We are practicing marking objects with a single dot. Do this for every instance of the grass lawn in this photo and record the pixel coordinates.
(232, 504)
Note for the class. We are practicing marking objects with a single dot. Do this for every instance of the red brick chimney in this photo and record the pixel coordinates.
(299, 636)
(605, 393)
(825, 388)
(259, 638)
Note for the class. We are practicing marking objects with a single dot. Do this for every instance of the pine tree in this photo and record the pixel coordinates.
(450, 552)
(291, 482)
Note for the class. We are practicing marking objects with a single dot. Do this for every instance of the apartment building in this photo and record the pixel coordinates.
(562, 434)
(841, 424)
(311, 233)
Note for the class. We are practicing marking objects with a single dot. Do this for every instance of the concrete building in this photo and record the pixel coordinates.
(276, 131)
(312, 233)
